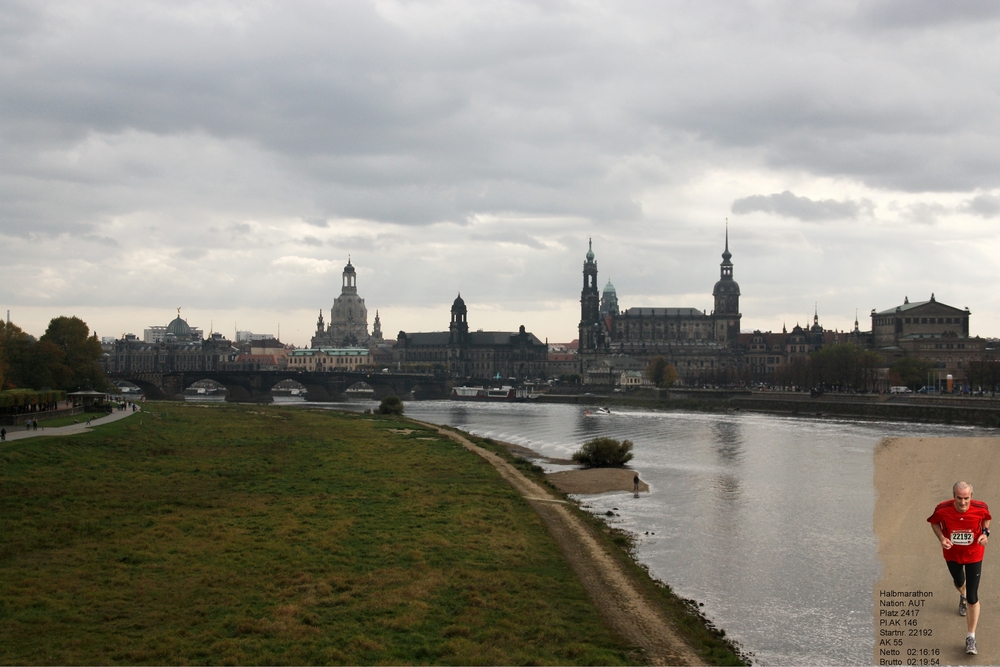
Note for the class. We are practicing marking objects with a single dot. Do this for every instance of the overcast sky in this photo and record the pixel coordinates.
(227, 157)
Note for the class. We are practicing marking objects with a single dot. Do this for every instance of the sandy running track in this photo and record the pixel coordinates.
(912, 475)
(614, 591)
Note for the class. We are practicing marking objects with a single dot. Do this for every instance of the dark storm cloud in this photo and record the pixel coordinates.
(528, 109)
(789, 205)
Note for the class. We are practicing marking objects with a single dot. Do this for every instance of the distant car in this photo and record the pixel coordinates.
(900, 390)
(927, 390)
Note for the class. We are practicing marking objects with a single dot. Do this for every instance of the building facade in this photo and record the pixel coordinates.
(348, 325)
(180, 349)
(932, 331)
(329, 359)
(695, 342)
(472, 354)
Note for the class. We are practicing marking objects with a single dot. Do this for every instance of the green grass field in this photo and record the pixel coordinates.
(231, 534)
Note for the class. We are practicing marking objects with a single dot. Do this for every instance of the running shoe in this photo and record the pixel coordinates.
(962, 606)
(970, 646)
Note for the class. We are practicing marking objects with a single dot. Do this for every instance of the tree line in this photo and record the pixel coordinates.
(65, 357)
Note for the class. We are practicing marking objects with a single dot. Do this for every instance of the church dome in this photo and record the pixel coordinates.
(609, 288)
(459, 304)
(179, 328)
(350, 267)
(724, 286)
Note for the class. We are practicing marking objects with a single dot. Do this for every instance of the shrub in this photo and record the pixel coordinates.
(604, 453)
(391, 405)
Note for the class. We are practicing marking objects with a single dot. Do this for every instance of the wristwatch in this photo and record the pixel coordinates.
(986, 532)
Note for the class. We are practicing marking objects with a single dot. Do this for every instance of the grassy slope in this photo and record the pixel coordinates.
(233, 534)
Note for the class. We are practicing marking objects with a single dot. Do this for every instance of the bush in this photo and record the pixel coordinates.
(391, 405)
(604, 453)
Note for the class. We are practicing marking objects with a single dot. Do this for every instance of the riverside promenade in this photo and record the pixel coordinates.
(19, 432)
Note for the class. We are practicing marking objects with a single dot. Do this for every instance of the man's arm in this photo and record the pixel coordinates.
(945, 542)
(983, 539)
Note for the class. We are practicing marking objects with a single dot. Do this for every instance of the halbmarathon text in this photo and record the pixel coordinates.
(900, 629)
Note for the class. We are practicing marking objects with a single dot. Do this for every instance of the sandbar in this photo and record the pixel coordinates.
(585, 481)
(595, 480)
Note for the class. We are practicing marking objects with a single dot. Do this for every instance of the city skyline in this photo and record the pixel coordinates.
(228, 157)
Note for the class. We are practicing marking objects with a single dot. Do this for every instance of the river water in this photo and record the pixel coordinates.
(765, 520)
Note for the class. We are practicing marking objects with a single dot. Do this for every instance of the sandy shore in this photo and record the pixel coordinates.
(594, 480)
(912, 475)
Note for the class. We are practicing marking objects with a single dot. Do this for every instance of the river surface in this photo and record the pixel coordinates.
(765, 520)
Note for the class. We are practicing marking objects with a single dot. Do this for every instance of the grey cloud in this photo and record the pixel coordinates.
(926, 214)
(925, 13)
(310, 240)
(986, 206)
(192, 253)
(377, 119)
(514, 237)
(101, 240)
(803, 208)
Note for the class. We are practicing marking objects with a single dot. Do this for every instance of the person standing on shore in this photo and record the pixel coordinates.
(962, 526)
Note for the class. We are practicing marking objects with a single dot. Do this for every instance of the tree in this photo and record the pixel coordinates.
(911, 371)
(391, 405)
(82, 353)
(660, 372)
(65, 357)
(15, 353)
(845, 366)
(604, 453)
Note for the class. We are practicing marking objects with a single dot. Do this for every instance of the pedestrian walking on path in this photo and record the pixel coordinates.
(72, 429)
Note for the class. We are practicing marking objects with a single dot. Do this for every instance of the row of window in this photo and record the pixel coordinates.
(921, 320)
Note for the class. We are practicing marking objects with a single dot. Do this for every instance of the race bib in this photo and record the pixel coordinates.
(962, 538)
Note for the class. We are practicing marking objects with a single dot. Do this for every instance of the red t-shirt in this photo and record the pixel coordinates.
(963, 529)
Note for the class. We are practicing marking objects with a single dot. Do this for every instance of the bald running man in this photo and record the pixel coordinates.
(962, 526)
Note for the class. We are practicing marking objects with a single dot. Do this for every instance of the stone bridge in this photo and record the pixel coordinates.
(256, 385)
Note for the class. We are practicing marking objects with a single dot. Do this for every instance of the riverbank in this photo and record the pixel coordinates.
(286, 536)
(978, 411)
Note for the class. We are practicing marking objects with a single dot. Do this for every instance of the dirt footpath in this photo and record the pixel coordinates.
(912, 475)
(616, 594)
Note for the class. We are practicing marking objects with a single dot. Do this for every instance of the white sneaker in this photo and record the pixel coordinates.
(970, 646)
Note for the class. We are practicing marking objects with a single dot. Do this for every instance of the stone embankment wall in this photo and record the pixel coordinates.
(943, 409)
(934, 411)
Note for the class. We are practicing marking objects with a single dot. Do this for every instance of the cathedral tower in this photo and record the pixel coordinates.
(591, 331)
(459, 327)
(727, 300)
(348, 316)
